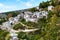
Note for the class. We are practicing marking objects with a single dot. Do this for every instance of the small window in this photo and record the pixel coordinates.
(30, 16)
(35, 16)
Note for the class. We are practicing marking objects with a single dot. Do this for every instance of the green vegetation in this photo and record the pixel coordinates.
(18, 26)
(49, 28)
(33, 9)
(2, 20)
(3, 34)
(13, 13)
(44, 4)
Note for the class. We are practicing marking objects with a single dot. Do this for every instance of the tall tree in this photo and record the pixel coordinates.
(44, 4)
(55, 2)
(57, 10)
(33, 9)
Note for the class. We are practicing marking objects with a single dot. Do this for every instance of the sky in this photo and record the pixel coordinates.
(11, 5)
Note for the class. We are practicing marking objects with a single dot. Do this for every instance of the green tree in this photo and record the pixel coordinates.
(33, 9)
(55, 2)
(57, 10)
(44, 4)
(3, 34)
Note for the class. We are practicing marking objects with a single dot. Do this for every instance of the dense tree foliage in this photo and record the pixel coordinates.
(33, 9)
(55, 2)
(18, 26)
(3, 20)
(57, 10)
(9, 15)
(3, 34)
(44, 4)
(13, 13)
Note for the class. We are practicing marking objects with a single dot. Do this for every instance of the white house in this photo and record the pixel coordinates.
(5, 25)
(13, 35)
(22, 15)
(40, 9)
(16, 19)
(44, 13)
(31, 19)
(11, 20)
(19, 15)
(28, 16)
(28, 12)
(36, 14)
(40, 14)
(37, 7)
(50, 8)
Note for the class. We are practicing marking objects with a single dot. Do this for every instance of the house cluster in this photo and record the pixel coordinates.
(10, 22)
(8, 26)
(50, 8)
(33, 17)
(27, 15)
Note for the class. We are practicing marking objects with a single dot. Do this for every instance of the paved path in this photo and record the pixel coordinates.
(14, 31)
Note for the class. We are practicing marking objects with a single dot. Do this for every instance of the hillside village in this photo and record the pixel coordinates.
(45, 20)
(28, 16)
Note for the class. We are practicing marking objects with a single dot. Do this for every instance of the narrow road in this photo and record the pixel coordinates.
(26, 30)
